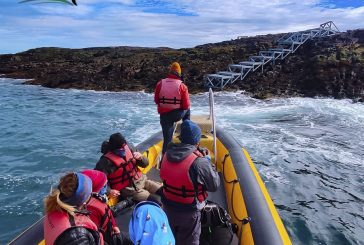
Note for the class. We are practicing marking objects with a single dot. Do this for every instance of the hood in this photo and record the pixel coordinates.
(178, 152)
(149, 225)
(174, 76)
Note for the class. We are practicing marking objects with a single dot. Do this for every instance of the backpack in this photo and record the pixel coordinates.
(149, 225)
(216, 226)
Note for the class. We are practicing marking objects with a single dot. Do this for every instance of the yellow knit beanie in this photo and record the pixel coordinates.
(175, 68)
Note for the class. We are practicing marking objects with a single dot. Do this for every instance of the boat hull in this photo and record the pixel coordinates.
(242, 191)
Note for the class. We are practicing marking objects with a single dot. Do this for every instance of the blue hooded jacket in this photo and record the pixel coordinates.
(149, 225)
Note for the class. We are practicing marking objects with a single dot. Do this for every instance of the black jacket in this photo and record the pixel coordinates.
(201, 172)
(108, 167)
(78, 236)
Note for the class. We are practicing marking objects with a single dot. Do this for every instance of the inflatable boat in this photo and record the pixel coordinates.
(242, 192)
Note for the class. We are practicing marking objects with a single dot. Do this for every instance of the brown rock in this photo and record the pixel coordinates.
(331, 66)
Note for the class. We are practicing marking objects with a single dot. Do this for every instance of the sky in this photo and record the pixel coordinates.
(163, 23)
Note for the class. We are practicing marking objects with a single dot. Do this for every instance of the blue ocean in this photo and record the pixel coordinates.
(309, 152)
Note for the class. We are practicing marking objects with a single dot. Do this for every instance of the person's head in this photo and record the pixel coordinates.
(175, 69)
(73, 191)
(116, 144)
(190, 133)
(116, 141)
(99, 180)
(149, 225)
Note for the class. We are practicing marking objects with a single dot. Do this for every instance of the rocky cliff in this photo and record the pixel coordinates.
(331, 66)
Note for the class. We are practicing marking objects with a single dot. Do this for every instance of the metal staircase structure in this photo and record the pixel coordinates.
(287, 44)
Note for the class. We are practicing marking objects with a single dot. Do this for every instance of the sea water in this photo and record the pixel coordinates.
(309, 152)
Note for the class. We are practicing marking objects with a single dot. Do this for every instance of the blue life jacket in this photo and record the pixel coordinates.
(149, 225)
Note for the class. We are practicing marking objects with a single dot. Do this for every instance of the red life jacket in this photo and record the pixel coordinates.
(57, 222)
(98, 208)
(177, 184)
(169, 96)
(127, 171)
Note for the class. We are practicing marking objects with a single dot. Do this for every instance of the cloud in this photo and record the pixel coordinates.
(177, 24)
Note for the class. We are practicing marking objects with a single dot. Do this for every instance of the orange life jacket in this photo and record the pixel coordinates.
(169, 96)
(177, 184)
(57, 222)
(127, 170)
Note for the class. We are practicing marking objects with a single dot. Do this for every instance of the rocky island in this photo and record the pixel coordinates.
(330, 66)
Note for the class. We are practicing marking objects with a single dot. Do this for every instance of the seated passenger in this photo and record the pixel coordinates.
(120, 164)
(100, 212)
(149, 225)
(187, 176)
(66, 221)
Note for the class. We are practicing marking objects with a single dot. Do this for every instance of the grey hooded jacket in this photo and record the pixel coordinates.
(201, 172)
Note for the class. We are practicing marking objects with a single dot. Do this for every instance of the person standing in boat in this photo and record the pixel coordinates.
(173, 101)
(187, 176)
(100, 212)
(120, 164)
(66, 221)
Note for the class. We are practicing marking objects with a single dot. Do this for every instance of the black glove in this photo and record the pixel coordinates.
(204, 151)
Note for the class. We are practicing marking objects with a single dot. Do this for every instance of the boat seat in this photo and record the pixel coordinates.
(202, 121)
(153, 174)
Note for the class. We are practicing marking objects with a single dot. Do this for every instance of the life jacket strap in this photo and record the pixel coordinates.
(182, 192)
(173, 101)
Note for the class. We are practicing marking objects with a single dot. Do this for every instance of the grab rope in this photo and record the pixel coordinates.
(245, 220)
(223, 170)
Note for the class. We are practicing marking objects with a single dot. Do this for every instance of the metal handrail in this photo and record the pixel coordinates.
(290, 42)
(212, 117)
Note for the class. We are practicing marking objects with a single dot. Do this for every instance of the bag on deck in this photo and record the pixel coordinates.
(214, 215)
(216, 226)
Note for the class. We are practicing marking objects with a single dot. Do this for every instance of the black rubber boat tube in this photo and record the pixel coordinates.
(262, 224)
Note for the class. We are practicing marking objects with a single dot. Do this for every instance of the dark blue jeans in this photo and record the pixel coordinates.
(167, 121)
(185, 225)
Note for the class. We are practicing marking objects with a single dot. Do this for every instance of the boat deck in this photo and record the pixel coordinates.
(218, 197)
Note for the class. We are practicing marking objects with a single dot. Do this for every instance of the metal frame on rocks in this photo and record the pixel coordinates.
(287, 44)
